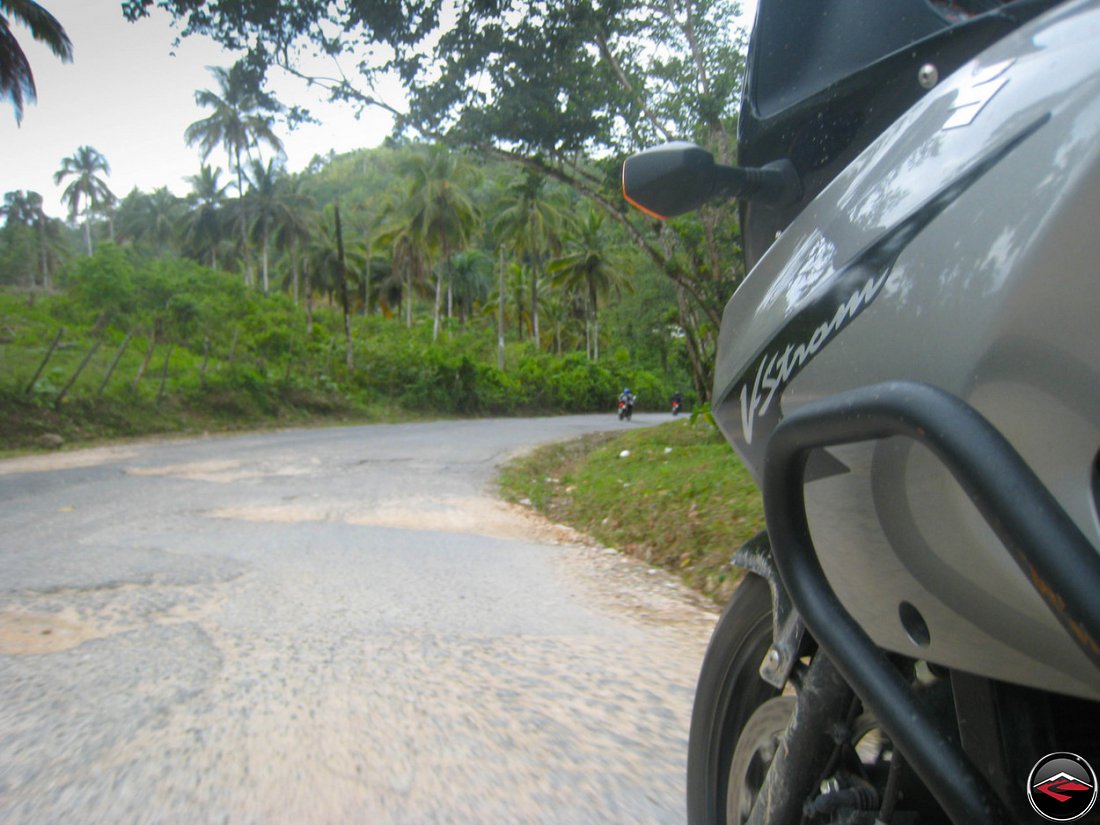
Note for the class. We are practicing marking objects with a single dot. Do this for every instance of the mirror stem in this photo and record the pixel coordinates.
(776, 184)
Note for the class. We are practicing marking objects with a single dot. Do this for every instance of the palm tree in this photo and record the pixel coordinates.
(19, 208)
(260, 208)
(242, 118)
(150, 219)
(87, 193)
(23, 211)
(324, 256)
(295, 223)
(409, 264)
(276, 209)
(471, 272)
(439, 209)
(529, 223)
(593, 265)
(204, 225)
(16, 78)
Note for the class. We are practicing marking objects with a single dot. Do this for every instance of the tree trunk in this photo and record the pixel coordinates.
(366, 282)
(43, 257)
(594, 308)
(535, 264)
(698, 373)
(342, 272)
(438, 305)
(266, 286)
(500, 315)
(294, 269)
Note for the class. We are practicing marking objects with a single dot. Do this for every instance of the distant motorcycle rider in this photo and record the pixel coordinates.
(626, 403)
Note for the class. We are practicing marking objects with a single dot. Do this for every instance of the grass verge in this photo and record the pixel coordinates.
(674, 495)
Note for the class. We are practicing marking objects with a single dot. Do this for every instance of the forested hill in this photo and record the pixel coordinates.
(222, 312)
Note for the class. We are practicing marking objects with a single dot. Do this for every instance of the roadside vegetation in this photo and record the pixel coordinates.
(495, 218)
(675, 496)
(125, 345)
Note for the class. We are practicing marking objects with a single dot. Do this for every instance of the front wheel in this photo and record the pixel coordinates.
(730, 744)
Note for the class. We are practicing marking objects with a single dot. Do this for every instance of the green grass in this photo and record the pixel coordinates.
(680, 499)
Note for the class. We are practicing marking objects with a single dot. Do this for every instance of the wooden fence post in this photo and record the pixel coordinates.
(164, 373)
(114, 363)
(233, 346)
(205, 359)
(76, 375)
(45, 360)
(148, 353)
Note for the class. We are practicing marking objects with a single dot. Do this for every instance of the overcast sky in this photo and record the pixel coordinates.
(126, 95)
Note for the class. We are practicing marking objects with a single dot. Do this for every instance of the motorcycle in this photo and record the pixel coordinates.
(676, 404)
(626, 409)
(908, 372)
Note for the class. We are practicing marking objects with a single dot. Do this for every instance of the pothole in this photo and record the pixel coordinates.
(26, 634)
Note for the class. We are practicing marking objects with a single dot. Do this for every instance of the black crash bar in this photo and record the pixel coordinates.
(1061, 564)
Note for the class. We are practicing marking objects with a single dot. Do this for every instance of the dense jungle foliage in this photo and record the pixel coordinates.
(149, 339)
(483, 261)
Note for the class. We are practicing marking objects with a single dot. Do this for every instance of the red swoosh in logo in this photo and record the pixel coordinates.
(1052, 788)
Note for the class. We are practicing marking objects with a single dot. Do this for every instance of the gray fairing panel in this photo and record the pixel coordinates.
(961, 249)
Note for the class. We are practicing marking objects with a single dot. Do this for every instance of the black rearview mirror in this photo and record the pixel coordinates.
(670, 179)
(677, 177)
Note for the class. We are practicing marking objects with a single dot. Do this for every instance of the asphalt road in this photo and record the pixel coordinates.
(338, 625)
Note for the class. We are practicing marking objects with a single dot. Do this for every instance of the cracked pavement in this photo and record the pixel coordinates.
(338, 625)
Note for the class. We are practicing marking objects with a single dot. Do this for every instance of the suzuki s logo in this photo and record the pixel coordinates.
(973, 97)
(1062, 787)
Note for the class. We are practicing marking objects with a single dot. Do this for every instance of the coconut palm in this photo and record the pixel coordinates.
(87, 193)
(259, 208)
(150, 219)
(19, 208)
(24, 214)
(407, 260)
(323, 255)
(439, 209)
(472, 277)
(16, 78)
(593, 265)
(242, 118)
(529, 223)
(409, 263)
(295, 223)
(204, 226)
(277, 211)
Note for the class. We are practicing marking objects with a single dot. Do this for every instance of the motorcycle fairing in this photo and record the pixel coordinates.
(824, 79)
(1000, 284)
(838, 297)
